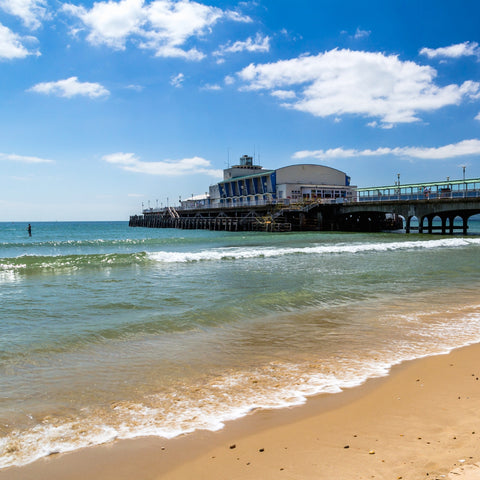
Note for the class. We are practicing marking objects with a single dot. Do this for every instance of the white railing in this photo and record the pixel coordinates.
(361, 197)
(404, 196)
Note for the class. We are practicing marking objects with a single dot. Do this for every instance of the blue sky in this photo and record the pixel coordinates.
(105, 105)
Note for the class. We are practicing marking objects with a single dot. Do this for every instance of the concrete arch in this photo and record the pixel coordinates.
(412, 222)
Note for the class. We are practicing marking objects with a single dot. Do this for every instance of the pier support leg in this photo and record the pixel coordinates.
(444, 225)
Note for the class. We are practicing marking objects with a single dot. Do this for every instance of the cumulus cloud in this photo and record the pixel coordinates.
(361, 34)
(71, 87)
(163, 26)
(109, 23)
(12, 45)
(284, 94)
(478, 116)
(23, 158)
(257, 44)
(211, 87)
(177, 80)
(170, 168)
(465, 147)
(31, 12)
(136, 88)
(340, 82)
(229, 80)
(464, 49)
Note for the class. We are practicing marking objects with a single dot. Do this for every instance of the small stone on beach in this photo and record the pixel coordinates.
(233, 446)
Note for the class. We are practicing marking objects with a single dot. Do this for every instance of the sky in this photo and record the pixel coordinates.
(110, 105)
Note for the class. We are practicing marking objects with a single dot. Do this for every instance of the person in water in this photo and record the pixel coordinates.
(29, 228)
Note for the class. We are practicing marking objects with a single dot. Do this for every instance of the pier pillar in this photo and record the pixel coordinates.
(444, 225)
(430, 225)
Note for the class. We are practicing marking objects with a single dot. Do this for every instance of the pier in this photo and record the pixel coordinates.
(430, 207)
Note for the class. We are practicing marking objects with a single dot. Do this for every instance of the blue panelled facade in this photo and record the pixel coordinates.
(249, 184)
(249, 189)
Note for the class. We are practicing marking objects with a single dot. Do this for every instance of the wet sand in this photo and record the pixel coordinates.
(421, 422)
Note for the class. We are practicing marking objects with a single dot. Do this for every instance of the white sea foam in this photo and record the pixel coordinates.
(235, 394)
(238, 253)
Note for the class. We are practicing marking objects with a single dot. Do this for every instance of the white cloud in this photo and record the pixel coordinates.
(212, 87)
(136, 88)
(229, 80)
(477, 117)
(340, 82)
(177, 80)
(257, 44)
(32, 12)
(110, 23)
(361, 34)
(171, 168)
(464, 49)
(11, 45)
(71, 87)
(465, 147)
(23, 158)
(164, 26)
(283, 94)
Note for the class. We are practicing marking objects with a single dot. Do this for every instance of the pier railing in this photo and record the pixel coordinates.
(455, 189)
(244, 204)
(449, 189)
(418, 196)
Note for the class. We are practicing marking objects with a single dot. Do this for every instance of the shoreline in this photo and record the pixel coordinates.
(420, 421)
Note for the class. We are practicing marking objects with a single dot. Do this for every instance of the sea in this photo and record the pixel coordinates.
(109, 332)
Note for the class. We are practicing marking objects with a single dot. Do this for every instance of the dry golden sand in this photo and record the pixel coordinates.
(422, 422)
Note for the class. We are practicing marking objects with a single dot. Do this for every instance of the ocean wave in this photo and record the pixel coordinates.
(173, 413)
(212, 401)
(73, 243)
(238, 253)
(31, 263)
(46, 263)
(97, 242)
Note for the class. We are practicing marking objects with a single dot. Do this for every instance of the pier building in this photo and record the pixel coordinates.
(316, 197)
(247, 184)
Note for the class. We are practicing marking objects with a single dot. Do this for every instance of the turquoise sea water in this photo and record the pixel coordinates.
(112, 332)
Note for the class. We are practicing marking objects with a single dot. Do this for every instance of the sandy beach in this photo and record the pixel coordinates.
(421, 422)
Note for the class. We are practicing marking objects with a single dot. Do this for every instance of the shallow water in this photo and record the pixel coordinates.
(112, 332)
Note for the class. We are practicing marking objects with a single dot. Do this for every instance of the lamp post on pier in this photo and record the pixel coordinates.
(398, 183)
(464, 184)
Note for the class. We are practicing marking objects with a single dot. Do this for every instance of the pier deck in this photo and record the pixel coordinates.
(443, 207)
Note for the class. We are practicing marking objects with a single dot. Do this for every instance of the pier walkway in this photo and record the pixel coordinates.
(427, 207)
(443, 207)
